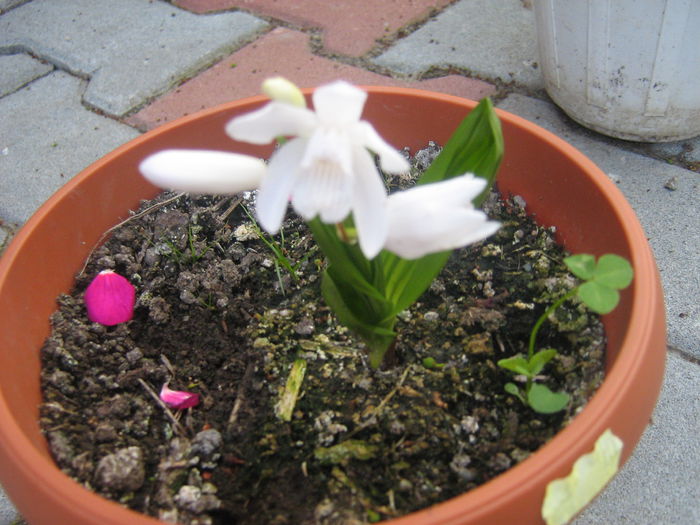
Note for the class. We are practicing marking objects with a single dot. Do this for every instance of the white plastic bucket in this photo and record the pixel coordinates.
(626, 68)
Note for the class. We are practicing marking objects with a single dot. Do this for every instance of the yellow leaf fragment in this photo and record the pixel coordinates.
(566, 497)
(288, 397)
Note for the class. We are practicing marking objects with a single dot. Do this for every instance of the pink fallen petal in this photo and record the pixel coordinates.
(178, 399)
(110, 299)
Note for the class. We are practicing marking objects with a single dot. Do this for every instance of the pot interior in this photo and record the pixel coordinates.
(51, 248)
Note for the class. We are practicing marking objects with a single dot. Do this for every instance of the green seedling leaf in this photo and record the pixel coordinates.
(582, 265)
(614, 271)
(513, 389)
(544, 401)
(540, 359)
(431, 364)
(598, 297)
(516, 364)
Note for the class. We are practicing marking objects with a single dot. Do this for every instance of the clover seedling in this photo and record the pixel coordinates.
(599, 292)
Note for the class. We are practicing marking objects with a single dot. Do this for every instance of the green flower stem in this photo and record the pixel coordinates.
(543, 318)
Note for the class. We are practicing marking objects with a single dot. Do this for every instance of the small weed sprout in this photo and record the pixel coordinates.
(599, 292)
(278, 250)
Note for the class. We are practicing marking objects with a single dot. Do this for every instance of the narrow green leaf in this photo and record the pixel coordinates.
(598, 297)
(581, 265)
(614, 271)
(377, 333)
(540, 359)
(516, 364)
(544, 401)
(407, 280)
(476, 147)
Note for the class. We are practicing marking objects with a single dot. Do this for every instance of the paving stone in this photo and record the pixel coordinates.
(658, 485)
(46, 137)
(670, 218)
(8, 513)
(18, 70)
(494, 41)
(280, 52)
(8, 4)
(131, 50)
(684, 151)
(348, 28)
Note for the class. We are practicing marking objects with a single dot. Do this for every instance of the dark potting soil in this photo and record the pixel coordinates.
(216, 314)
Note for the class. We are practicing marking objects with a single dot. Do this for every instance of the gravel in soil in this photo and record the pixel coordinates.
(218, 315)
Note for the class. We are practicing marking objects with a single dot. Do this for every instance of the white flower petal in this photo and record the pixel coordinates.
(436, 217)
(276, 187)
(369, 205)
(456, 191)
(200, 171)
(323, 189)
(339, 103)
(276, 119)
(390, 159)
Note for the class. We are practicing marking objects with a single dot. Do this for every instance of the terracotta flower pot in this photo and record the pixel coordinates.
(561, 187)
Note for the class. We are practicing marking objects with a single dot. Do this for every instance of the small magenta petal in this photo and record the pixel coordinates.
(110, 299)
(178, 399)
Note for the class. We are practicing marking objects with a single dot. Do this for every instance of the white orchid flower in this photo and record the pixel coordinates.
(202, 171)
(326, 170)
(437, 217)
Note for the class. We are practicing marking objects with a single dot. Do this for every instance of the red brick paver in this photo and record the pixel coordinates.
(349, 27)
(280, 52)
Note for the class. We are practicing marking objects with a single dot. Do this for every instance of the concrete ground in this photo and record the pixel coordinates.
(80, 77)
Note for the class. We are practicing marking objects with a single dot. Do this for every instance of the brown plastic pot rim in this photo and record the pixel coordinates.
(507, 486)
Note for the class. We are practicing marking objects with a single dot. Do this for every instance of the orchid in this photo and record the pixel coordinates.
(437, 217)
(327, 169)
(110, 299)
(382, 251)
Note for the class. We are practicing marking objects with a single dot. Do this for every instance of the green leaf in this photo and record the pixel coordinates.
(581, 265)
(512, 389)
(346, 303)
(540, 359)
(407, 280)
(614, 271)
(476, 147)
(599, 298)
(516, 364)
(544, 401)
(431, 364)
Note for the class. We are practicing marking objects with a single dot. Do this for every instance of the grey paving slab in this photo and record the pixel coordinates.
(131, 50)
(670, 218)
(491, 40)
(8, 513)
(18, 70)
(684, 151)
(8, 4)
(659, 484)
(46, 137)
